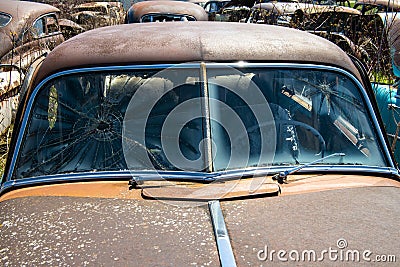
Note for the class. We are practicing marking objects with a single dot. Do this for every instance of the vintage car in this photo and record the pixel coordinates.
(274, 13)
(215, 5)
(386, 9)
(27, 32)
(232, 11)
(174, 144)
(93, 15)
(164, 11)
(362, 36)
(70, 28)
(388, 93)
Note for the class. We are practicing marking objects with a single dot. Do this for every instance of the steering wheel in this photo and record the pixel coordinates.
(307, 127)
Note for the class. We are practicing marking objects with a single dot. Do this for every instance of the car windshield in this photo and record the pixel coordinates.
(202, 119)
(4, 19)
(166, 17)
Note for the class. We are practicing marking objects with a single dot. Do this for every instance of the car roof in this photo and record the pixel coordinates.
(98, 3)
(167, 7)
(317, 9)
(388, 3)
(180, 42)
(281, 7)
(291, 7)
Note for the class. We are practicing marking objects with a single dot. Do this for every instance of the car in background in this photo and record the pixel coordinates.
(387, 10)
(28, 31)
(362, 36)
(175, 144)
(69, 28)
(274, 13)
(231, 11)
(165, 11)
(213, 7)
(93, 15)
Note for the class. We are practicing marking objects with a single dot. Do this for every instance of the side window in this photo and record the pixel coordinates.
(211, 7)
(38, 28)
(51, 23)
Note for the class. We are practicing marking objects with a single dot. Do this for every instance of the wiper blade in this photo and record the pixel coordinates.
(281, 177)
(138, 180)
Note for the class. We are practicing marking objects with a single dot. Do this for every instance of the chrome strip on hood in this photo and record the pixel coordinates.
(221, 235)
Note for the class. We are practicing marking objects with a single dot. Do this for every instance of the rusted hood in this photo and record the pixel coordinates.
(348, 221)
(346, 214)
(106, 232)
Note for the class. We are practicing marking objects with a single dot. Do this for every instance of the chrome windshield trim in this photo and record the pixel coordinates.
(349, 169)
(391, 169)
(221, 235)
(200, 177)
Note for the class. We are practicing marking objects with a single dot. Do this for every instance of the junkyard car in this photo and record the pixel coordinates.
(93, 15)
(212, 7)
(362, 36)
(164, 11)
(27, 32)
(388, 93)
(175, 144)
(274, 13)
(387, 10)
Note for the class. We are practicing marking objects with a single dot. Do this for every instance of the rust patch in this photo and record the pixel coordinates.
(99, 189)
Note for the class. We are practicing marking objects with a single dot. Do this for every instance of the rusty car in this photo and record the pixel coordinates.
(274, 13)
(165, 11)
(387, 10)
(362, 36)
(388, 92)
(199, 143)
(91, 15)
(28, 31)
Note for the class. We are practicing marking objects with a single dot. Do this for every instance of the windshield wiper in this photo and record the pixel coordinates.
(281, 177)
(138, 180)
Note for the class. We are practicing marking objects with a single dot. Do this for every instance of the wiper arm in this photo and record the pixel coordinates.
(281, 177)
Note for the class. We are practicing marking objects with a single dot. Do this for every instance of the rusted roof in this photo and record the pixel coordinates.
(167, 7)
(389, 3)
(94, 4)
(192, 41)
(281, 7)
(23, 13)
(288, 8)
(316, 9)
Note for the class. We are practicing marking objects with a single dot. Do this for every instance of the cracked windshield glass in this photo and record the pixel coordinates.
(196, 119)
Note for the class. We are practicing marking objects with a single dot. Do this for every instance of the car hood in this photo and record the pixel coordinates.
(109, 232)
(132, 232)
(345, 220)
